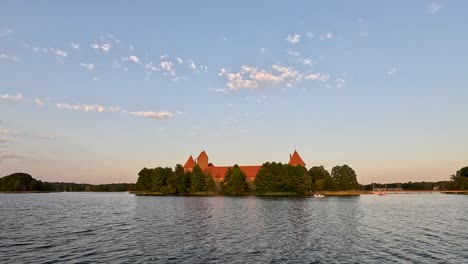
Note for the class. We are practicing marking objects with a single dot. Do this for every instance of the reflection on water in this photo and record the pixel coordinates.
(118, 228)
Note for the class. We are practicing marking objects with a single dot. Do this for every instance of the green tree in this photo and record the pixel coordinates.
(144, 180)
(317, 175)
(235, 182)
(345, 178)
(197, 180)
(460, 179)
(179, 179)
(329, 184)
(278, 177)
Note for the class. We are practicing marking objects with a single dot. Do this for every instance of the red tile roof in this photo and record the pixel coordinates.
(219, 172)
(295, 159)
(202, 154)
(190, 163)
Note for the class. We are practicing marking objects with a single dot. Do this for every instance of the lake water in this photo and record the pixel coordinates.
(123, 228)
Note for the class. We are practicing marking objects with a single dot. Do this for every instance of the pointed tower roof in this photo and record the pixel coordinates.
(190, 163)
(295, 159)
(202, 155)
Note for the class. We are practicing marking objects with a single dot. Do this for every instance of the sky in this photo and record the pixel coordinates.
(93, 91)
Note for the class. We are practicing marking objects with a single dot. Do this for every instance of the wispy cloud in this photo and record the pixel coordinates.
(131, 58)
(59, 53)
(153, 115)
(13, 97)
(75, 45)
(294, 38)
(88, 66)
(103, 47)
(392, 71)
(6, 32)
(168, 67)
(433, 8)
(254, 78)
(15, 134)
(326, 36)
(114, 109)
(134, 58)
(39, 102)
(9, 57)
(82, 107)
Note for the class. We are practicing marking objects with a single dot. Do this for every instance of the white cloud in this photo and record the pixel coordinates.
(131, 47)
(294, 38)
(39, 102)
(293, 53)
(104, 47)
(262, 51)
(168, 67)
(434, 7)
(392, 71)
(82, 107)
(180, 60)
(153, 115)
(134, 58)
(16, 97)
(191, 64)
(306, 61)
(222, 90)
(88, 66)
(114, 109)
(325, 36)
(310, 35)
(254, 78)
(75, 45)
(95, 78)
(150, 66)
(9, 57)
(317, 77)
(59, 53)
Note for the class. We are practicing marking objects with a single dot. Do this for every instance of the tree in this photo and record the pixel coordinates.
(329, 184)
(345, 178)
(197, 180)
(460, 179)
(235, 182)
(278, 177)
(317, 175)
(180, 179)
(144, 180)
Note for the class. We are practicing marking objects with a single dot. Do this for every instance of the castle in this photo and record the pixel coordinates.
(218, 172)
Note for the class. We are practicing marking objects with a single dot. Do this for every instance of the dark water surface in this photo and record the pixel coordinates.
(122, 228)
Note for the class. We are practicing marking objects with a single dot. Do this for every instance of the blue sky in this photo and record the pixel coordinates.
(94, 91)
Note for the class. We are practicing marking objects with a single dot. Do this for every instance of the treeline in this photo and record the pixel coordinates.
(168, 181)
(271, 178)
(459, 181)
(23, 182)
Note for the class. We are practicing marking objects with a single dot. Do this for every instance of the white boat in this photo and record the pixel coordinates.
(318, 195)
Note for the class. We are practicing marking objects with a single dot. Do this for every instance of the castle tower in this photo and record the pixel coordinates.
(295, 159)
(202, 161)
(189, 164)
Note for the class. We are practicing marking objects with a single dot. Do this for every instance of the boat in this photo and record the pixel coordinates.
(318, 195)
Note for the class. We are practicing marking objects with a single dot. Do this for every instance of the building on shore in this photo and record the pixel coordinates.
(218, 172)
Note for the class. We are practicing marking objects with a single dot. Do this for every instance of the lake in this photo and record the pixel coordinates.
(123, 228)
